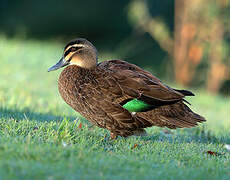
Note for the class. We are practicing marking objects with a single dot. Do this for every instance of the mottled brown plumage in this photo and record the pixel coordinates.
(98, 90)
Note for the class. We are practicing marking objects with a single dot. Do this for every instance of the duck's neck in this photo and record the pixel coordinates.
(77, 72)
(86, 59)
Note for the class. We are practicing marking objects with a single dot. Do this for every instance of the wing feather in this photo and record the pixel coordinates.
(136, 81)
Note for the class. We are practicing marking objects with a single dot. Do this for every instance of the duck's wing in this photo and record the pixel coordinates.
(159, 104)
(139, 83)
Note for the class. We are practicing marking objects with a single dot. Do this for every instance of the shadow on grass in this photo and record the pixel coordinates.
(28, 114)
(196, 134)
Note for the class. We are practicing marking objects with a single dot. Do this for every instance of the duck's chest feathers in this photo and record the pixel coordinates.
(77, 86)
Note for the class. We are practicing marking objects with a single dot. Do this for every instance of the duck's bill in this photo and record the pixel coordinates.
(59, 64)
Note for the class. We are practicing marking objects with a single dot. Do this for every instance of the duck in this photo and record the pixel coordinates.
(119, 96)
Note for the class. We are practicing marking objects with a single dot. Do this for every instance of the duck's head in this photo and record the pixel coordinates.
(78, 52)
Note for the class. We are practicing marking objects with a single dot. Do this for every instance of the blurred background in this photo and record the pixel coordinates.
(184, 43)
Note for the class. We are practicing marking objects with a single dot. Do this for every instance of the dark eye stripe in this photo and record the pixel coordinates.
(72, 49)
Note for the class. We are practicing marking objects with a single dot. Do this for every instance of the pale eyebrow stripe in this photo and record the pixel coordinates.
(68, 50)
(75, 45)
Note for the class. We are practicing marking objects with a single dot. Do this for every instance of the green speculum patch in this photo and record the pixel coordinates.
(136, 105)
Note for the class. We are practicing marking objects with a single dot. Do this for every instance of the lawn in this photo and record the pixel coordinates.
(41, 137)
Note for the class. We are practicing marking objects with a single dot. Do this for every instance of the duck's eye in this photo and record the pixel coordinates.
(73, 49)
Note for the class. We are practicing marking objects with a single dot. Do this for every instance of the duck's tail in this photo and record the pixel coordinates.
(177, 115)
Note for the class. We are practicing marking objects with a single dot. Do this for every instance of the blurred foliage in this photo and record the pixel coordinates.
(192, 36)
(199, 46)
(105, 23)
(56, 18)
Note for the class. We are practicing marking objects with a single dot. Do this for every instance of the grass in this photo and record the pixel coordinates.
(40, 138)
